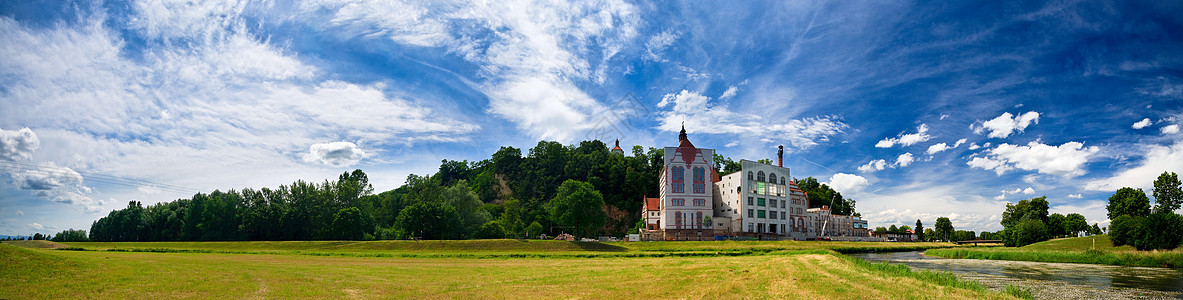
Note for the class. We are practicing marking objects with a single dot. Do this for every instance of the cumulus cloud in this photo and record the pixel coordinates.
(848, 183)
(1066, 160)
(703, 116)
(1075, 196)
(905, 140)
(1027, 191)
(938, 147)
(18, 144)
(904, 159)
(1156, 160)
(874, 165)
(1005, 124)
(336, 154)
(1170, 129)
(1141, 124)
(55, 183)
(37, 226)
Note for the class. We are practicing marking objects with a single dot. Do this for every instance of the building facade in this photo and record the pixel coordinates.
(686, 192)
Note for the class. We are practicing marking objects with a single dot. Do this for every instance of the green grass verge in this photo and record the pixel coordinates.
(1071, 250)
(806, 273)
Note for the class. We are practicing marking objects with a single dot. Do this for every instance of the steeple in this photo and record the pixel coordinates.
(682, 135)
(617, 149)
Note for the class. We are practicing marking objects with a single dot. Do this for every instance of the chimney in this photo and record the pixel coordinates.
(780, 156)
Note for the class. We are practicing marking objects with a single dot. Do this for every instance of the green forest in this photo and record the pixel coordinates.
(552, 188)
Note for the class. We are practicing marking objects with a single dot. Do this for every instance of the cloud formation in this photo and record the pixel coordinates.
(1156, 160)
(336, 154)
(1005, 124)
(848, 183)
(1141, 124)
(905, 140)
(1066, 160)
(938, 147)
(703, 116)
(1170, 129)
(18, 144)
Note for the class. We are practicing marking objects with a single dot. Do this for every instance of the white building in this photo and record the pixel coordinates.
(685, 207)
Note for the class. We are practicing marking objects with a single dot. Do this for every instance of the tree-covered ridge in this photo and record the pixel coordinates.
(506, 195)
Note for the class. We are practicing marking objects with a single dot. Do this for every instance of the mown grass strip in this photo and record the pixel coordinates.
(1132, 259)
(556, 255)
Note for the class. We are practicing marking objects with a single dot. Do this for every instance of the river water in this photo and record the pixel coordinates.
(1051, 280)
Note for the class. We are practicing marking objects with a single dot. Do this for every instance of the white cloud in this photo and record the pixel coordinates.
(848, 183)
(20, 213)
(1075, 196)
(1156, 160)
(974, 146)
(904, 159)
(702, 116)
(730, 92)
(55, 183)
(336, 154)
(905, 140)
(874, 165)
(657, 44)
(37, 226)
(1003, 193)
(18, 144)
(938, 147)
(1005, 124)
(1141, 124)
(1170, 129)
(1028, 191)
(1066, 160)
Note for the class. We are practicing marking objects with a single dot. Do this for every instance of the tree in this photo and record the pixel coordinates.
(490, 230)
(1095, 230)
(534, 229)
(578, 206)
(467, 204)
(1123, 228)
(929, 234)
(893, 229)
(880, 230)
(1026, 232)
(1128, 201)
(1075, 223)
(350, 224)
(1167, 192)
(944, 228)
(1036, 208)
(429, 220)
(1057, 225)
(1160, 230)
(919, 230)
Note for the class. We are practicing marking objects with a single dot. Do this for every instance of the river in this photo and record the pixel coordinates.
(1051, 280)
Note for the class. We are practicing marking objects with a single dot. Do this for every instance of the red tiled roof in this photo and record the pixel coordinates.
(652, 203)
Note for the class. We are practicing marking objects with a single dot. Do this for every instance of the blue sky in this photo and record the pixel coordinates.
(915, 110)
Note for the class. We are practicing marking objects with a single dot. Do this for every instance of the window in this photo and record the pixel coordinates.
(782, 181)
(760, 188)
(772, 203)
(782, 228)
(679, 202)
(760, 214)
(772, 177)
(751, 227)
(700, 202)
(750, 201)
(760, 176)
(782, 203)
(772, 215)
(760, 201)
(782, 215)
(700, 180)
(678, 219)
(750, 176)
(751, 213)
(698, 219)
(679, 177)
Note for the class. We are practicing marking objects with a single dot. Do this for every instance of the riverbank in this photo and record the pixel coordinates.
(286, 270)
(1083, 250)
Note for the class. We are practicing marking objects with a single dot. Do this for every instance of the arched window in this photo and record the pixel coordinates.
(750, 176)
(782, 181)
(760, 176)
(772, 178)
(679, 177)
(700, 186)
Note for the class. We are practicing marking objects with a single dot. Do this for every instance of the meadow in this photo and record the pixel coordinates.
(1086, 250)
(466, 269)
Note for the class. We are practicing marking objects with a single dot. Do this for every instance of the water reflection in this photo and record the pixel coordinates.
(1050, 279)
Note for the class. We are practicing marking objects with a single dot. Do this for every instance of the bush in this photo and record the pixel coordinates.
(1028, 231)
(1160, 230)
(1122, 228)
(490, 230)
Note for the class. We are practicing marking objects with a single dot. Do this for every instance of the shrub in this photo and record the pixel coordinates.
(1122, 228)
(490, 230)
(1160, 230)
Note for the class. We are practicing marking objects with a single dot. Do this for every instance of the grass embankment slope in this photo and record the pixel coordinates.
(1086, 250)
(792, 270)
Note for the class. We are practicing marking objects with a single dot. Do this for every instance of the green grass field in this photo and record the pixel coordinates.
(1087, 250)
(437, 269)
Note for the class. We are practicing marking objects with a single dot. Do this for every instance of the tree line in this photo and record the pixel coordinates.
(1136, 224)
(582, 189)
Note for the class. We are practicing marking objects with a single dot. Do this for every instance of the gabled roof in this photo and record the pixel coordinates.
(653, 204)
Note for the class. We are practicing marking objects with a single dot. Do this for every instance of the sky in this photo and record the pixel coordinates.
(915, 110)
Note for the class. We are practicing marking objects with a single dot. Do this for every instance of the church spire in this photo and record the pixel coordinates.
(682, 135)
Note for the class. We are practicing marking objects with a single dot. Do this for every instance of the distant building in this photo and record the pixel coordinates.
(617, 150)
